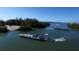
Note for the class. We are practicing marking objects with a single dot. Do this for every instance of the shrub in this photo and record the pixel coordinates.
(25, 28)
(3, 29)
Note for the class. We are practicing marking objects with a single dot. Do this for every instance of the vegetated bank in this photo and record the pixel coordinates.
(26, 24)
(3, 28)
(29, 24)
(74, 26)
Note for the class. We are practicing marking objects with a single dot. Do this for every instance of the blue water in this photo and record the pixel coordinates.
(12, 42)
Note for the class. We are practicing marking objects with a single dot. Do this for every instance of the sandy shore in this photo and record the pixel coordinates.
(12, 28)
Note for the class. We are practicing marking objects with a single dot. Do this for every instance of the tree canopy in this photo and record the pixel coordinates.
(25, 24)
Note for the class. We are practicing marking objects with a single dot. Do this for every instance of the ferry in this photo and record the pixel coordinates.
(35, 36)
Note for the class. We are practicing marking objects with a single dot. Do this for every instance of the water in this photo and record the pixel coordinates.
(12, 42)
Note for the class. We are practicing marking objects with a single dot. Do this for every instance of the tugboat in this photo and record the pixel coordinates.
(35, 36)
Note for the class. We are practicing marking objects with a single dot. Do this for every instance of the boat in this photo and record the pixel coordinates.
(61, 39)
(35, 36)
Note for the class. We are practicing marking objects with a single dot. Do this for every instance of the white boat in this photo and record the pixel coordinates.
(35, 36)
(59, 39)
(25, 35)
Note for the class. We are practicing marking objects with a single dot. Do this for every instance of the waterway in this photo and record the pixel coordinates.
(10, 41)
